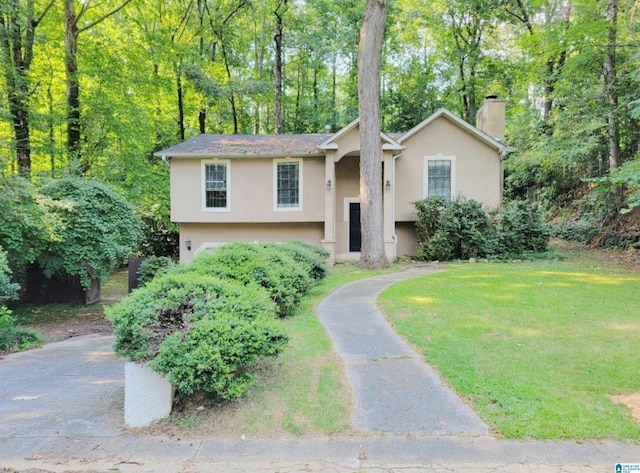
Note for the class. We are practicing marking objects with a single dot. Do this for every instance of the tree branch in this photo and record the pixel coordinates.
(104, 17)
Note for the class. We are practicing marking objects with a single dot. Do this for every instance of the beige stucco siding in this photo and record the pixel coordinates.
(478, 168)
(203, 236)
(251, 192)
(406, 233)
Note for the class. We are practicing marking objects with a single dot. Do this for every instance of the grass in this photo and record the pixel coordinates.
(537, 348)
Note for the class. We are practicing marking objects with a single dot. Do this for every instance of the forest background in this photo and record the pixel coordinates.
(95, 87)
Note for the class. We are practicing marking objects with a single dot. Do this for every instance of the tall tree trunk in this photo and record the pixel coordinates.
(181, 128)
(609, 83)
(72, 31)
(17, 33)
(73, 84)
(372, 253)
(278, 67)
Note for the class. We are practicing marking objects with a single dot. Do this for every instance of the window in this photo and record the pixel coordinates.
(288, 184)
(439, 176)
(216, 185)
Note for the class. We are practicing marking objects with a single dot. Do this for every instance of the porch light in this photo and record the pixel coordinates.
(187, 244)
(329, 185)
(387, 185)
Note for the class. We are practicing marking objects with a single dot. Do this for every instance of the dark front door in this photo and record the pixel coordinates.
(354, 226)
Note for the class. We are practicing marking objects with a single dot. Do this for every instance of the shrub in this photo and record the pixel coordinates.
(8, 290)
(172, 303)
(315, 262)
(461, 229)
(263, 265)
(13, 337)
(218, 353)
(153, 266)
(521, 229)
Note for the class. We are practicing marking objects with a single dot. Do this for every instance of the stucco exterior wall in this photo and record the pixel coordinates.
(251, 192)
(478, 168)
(406, 233)
(204, 236)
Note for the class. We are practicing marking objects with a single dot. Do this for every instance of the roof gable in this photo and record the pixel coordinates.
(331, 142)
(456, 120)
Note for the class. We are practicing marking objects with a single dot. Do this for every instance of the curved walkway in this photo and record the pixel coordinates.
(395, 390)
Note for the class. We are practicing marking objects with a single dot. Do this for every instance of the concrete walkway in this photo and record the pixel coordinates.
(395, 390)
(61, 410)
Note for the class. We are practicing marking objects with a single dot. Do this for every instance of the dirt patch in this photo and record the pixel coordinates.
(88, 323)
(632, 401)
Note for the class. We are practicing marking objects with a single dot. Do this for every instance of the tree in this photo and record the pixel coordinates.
(18, 23)
(72, 31)
(609, 85)
(97, 229)
(279, 12)
(369, 63)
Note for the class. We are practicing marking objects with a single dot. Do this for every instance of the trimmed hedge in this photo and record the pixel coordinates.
(172, 303)
(217, 354)
(265, 265)
(207, 324)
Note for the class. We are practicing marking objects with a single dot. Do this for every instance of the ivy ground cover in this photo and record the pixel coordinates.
(537, 349)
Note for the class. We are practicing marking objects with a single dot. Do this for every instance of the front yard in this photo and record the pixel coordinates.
(538, 349)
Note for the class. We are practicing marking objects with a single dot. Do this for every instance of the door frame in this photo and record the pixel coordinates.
(347, 218)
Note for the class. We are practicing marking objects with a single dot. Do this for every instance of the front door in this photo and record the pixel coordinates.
(354, 227)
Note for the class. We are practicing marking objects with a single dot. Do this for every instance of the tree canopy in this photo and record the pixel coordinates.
(95, 88)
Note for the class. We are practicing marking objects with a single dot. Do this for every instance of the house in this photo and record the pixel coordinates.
(281, 187)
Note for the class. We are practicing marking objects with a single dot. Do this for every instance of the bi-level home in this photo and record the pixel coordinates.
(281, 187)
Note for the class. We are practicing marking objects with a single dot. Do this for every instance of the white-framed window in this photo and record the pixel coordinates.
(439, 176)
(287, 184)
(215, 185)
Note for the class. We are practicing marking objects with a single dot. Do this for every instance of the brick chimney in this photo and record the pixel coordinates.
(490, 117)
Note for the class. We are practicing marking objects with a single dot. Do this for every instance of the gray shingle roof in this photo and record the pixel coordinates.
(208, 145)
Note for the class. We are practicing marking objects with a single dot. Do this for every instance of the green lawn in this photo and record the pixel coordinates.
(536, 348)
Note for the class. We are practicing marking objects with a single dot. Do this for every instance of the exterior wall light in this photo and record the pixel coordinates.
(329, 185)
(187, 244)
(387, 185)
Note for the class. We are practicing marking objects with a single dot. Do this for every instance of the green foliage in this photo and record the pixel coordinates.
(13, 337)
(208, 324)
(621, 182)
(260, 264)
(25, 225)
(521, 229)
(218, 353)
(172, 303)
(97, 229)
(461, 229)
(153, 266)
(313, 259)
(8, 290)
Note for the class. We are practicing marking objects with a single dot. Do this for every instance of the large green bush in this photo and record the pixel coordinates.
(207, 324)
(218, 353)
(262, 264)
(520, 229)
(171, 303)
(96, 229)
(461, 229)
